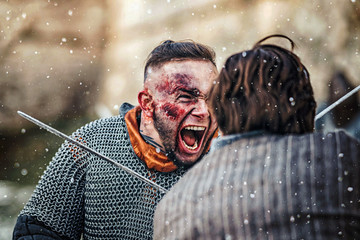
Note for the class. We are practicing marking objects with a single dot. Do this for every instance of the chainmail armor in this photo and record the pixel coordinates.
(81, 193)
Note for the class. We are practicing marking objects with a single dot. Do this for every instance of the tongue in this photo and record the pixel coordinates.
(188, 137)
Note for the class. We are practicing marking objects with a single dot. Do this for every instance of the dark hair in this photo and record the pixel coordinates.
(265, 88)
(169, 50)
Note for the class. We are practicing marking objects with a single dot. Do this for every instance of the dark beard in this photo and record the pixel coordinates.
(168, 141)
(165, 135)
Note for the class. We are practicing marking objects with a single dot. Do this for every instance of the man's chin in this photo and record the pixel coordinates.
(184, 161)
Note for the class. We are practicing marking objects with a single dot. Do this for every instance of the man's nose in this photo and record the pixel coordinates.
(201, 110)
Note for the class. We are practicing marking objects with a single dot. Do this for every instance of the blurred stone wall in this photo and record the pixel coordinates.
(63, 59)
(326, 32)
(50, 67)
(50, 59)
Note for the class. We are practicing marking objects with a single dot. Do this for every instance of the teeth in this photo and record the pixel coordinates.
(193, 147)
(194, 128)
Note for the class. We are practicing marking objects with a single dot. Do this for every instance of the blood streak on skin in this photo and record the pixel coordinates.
(164, 86)
(172, 110)
(182, 79)
(170, 86)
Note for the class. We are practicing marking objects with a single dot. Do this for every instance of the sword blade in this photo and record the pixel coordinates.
(69, 139)
(340, 100)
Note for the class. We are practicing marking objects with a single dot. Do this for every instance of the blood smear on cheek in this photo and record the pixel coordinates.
(172, 110)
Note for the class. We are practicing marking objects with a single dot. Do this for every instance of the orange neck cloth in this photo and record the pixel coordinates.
(146, 152)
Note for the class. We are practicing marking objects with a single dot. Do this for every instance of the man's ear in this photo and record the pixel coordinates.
(145, 100)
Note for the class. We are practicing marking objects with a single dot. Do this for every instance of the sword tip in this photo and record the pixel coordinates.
(22, 114)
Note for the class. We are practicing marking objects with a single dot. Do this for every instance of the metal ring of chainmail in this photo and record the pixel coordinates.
(82, 194)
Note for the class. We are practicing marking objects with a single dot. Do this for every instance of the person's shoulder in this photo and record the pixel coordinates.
(107, 125)
(102, 122)
(111, 121)
(338, 135)
(125, 107)
(343, 135)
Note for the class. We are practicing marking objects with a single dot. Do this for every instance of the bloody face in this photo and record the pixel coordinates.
(181, 116)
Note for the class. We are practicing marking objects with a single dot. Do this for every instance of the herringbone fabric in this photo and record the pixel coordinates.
(268, 187)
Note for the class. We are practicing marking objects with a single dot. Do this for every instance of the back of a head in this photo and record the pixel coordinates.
(266, 88)
(179, 50)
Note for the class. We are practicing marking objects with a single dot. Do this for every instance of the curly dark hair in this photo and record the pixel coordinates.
(266, 88)
(185, 49)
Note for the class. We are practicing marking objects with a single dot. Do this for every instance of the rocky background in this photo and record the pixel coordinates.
(69, 62)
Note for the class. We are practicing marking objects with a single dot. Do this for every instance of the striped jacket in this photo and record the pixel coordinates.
(268, 187)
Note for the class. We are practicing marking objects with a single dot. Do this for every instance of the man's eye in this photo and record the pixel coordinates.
(185, 96)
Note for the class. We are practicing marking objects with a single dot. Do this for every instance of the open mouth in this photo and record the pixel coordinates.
(191, 136)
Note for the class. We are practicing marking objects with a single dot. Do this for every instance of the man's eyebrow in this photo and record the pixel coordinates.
(192, 91)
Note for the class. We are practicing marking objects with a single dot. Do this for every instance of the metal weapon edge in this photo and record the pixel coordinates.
(340, 100)
(69, 139)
